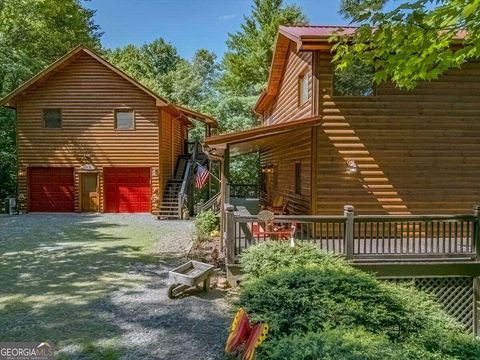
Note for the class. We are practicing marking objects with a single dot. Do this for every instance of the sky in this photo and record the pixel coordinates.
(188, 24)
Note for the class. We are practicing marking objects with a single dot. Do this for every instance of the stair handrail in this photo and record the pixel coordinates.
(210, 204)
(182, 195)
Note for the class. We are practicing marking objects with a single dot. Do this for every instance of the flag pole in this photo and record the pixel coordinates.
(211, 174)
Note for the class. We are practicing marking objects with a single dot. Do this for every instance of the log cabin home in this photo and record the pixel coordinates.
(415, 152)
(384, 177)
(92, 139)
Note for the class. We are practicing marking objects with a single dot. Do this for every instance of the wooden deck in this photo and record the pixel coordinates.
(368, 238)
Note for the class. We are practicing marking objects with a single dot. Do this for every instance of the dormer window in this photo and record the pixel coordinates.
(52, 118)
(303, 95)
(124, 119)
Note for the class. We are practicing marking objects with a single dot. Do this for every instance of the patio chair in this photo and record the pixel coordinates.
(260, 229)
(279, 205)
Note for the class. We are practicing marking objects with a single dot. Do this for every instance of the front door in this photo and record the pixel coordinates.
(90, 192)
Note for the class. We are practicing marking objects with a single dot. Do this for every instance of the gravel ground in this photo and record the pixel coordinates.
(104, 300)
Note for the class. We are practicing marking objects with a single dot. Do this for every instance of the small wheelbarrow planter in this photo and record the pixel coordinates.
(189, 275)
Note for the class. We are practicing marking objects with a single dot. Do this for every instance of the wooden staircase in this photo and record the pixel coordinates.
(171, 206)
(178, 192)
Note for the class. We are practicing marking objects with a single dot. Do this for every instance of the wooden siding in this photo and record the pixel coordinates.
(418, 152)
(298, 145)
(87, 92)
(172, 139)
(166, 159)
(286, 106)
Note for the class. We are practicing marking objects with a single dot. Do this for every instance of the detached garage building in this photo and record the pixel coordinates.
(90, 138)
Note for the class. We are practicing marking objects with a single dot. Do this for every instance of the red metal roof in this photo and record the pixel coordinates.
(325, 31)
(321, 31)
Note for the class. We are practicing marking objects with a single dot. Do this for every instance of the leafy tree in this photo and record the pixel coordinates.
(192, 83)
(32, 35)
(246, 65)
(250, 50)
(149, 64)
(414, 41)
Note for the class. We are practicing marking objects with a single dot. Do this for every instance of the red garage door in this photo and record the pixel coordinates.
(127, 189)
(51, 189)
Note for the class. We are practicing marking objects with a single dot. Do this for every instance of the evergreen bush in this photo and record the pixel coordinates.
(320, 307)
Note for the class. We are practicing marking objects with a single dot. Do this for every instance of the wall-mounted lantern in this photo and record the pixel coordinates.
(268, 168)
(352, 167)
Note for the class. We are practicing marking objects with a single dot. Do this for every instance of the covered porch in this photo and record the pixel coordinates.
(270, 183)
(362, 238)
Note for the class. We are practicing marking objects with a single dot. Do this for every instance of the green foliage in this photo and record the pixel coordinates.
(334, 344)
(250, 50)
(148, 64)
(235, 113)
(7, 154)
(205, 223)
(319, 307)
(411, 42)
(245, 71)
(317, 298)
(268, 257)
(32, 35)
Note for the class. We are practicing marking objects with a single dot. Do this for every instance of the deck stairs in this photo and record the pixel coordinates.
(178, 188)
(170, 208)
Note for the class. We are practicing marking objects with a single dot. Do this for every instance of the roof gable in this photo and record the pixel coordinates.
(306, 38)
(64, 61)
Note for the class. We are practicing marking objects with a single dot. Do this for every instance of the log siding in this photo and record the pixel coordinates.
(286, 106)
(88, 93)
(418, 151)
(284, 163)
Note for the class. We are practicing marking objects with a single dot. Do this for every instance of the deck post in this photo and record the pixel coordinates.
(230, 233)
(349, 213)
(476, 229)
(224, 200)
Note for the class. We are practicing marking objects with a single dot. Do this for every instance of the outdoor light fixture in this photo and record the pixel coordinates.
(267, 168)
(352, 167)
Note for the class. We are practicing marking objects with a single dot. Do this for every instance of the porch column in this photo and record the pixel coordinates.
(224, 193)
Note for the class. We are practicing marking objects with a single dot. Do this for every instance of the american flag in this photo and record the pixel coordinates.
(201, 177)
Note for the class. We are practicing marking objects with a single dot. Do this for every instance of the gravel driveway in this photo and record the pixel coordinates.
(96, 288)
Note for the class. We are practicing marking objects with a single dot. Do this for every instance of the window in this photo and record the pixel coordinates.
(298, 178)
(124, 119)
(303, 95)
(52, 118)
(356, 80)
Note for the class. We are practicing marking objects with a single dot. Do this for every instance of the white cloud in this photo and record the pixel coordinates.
(227, 17)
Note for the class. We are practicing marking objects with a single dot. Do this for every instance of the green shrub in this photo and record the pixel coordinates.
(354, 344)
(335, 344)
(205, 223)
(268, 257)
(319, 307)
(314, 298)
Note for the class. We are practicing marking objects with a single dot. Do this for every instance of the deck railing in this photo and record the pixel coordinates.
(244, 191)
(360, 237)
